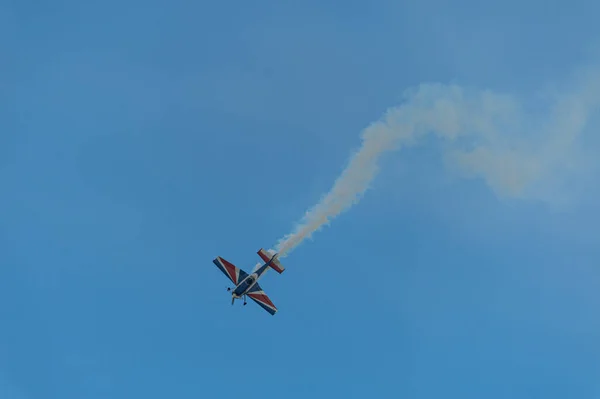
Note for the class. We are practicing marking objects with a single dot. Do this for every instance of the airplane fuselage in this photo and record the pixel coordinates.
(246, 284)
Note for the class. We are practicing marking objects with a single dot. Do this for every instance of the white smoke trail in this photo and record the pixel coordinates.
(513, 150)
(348, 188)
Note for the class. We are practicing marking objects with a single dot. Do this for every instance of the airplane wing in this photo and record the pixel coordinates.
(232, 272)
(258, 295)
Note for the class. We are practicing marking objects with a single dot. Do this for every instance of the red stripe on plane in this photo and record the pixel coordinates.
(262, 298)
(264, 257)
(231, 269)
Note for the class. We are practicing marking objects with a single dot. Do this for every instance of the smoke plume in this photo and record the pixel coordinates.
(521, 150)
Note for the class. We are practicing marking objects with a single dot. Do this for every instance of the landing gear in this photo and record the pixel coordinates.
(233, 297)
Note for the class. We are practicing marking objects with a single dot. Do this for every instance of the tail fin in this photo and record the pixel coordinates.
(275, 264)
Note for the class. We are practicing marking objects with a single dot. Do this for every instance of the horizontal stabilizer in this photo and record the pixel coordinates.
(275, 264)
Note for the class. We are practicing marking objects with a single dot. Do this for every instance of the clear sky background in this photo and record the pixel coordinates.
(140, 139)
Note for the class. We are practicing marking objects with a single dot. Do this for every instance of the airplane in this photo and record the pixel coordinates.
(247, 284)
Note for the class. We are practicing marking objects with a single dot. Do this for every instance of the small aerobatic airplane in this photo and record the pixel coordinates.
(247, 284)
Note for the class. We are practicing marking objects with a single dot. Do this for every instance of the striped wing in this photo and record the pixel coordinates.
(232, 272)
(258, 295)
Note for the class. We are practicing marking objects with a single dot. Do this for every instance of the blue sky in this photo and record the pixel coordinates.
(139, 140)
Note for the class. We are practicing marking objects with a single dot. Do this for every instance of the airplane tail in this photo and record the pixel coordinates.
(271, 257)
